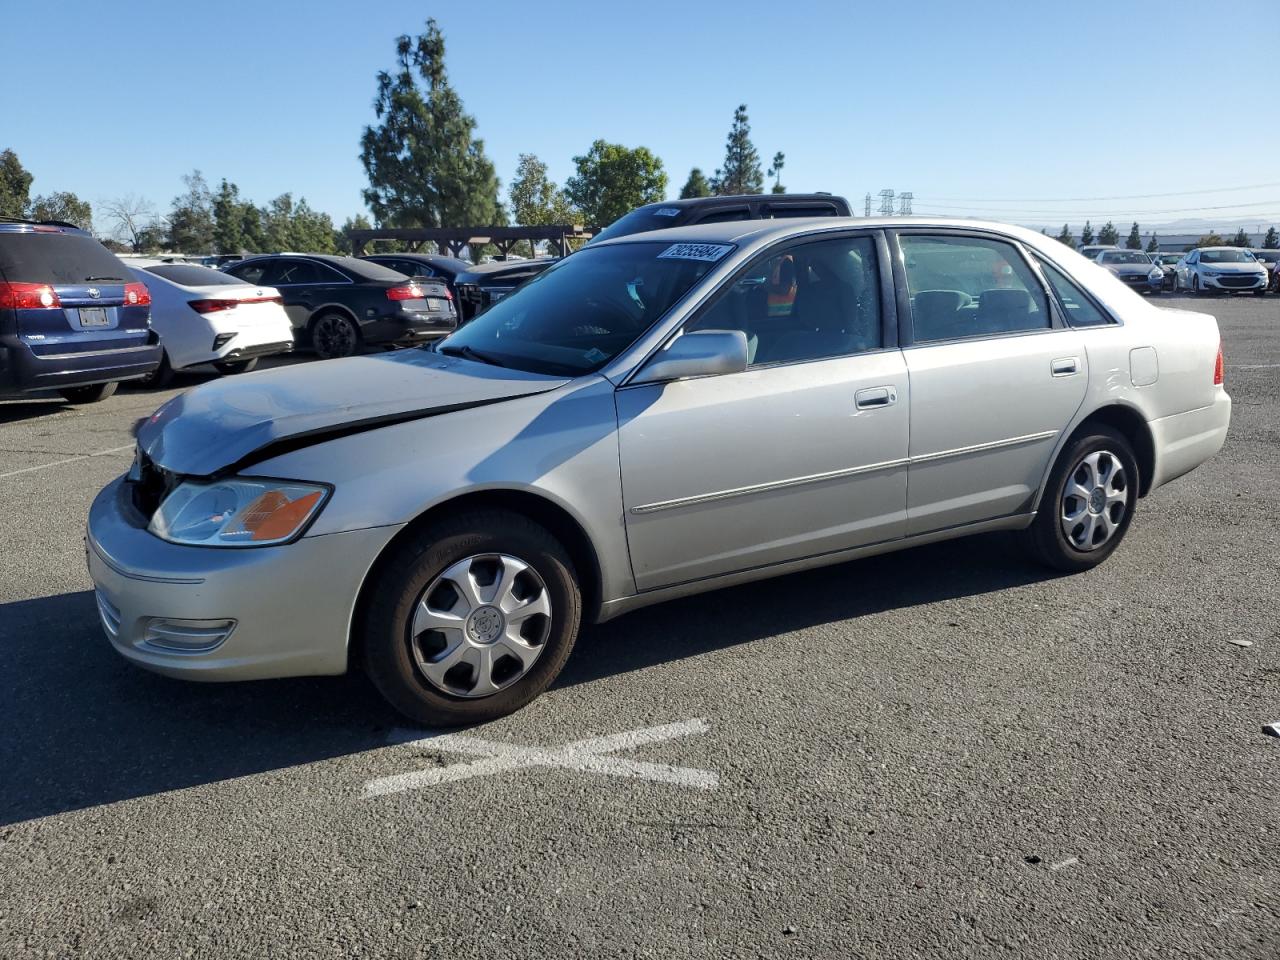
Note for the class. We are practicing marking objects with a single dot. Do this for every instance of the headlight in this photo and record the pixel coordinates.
(239, 512)
(1156, 274)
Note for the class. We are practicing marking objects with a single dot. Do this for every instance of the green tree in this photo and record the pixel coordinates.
(695, 186)
(63, 206)
(612, 180)
(425, 166)
(1086, 235)
(1211, 239)
(1065, 237)
(297, 227)
(775, 171)
(535, 200)
(1109, 235)
(15, 186)
(1241, 239)
(228, 219)
(1134, 240)
(741, 172)
(1272, 240)
(1153, 244)
(191, 220)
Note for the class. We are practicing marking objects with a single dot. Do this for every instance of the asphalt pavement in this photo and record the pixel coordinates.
(945, 752)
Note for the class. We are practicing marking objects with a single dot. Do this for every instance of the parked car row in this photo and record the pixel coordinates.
(1202, 270)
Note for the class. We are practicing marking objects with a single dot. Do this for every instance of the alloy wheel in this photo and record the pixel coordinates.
(1094, 500)
(335, 337)
(480, 625)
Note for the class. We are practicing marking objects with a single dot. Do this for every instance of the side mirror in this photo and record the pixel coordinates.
(700, 353)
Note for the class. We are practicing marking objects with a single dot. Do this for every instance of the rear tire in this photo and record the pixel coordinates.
(406, 591)
(1074, 533)
(160, 377)
(232, 367)
(94, 393)
(334, 335)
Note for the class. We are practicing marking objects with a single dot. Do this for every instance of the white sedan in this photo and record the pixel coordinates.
(1226, 269)
(206, 316)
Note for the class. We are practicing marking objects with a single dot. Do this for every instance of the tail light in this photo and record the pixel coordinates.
(1219, 368)
(409, 291)
(28, 296)
(227, 303)
(136, 295)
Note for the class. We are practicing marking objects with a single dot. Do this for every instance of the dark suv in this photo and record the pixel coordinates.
(71, 318)
(490, 282)
(339, 304)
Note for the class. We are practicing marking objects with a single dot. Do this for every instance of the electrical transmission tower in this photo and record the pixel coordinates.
(904, 203)
(867, 209)
(886, 203)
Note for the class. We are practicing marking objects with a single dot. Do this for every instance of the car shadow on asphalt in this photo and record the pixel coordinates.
(81, 727)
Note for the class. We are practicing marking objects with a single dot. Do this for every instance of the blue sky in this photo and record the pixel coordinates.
(966, 104)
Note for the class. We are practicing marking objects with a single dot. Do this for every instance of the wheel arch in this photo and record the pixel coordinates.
(558, 521)
(324, 308)
(1129, 422)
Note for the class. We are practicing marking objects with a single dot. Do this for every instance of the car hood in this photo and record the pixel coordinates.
(1130, 268)
(1231, 267)
(233, 422)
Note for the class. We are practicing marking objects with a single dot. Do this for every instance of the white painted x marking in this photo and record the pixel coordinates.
(586, 756)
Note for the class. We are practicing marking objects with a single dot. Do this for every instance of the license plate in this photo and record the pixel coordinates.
(93, 316)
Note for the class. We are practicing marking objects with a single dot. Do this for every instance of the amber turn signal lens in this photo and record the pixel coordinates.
(273, 516)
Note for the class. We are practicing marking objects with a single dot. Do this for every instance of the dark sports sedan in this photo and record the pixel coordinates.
(433, 266)
(339, 304)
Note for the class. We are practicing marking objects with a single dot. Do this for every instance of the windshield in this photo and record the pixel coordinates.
(585, 310)
(1226, 256)
(1125, 256)
(57, 258)
(1270, 256)
(641, 220)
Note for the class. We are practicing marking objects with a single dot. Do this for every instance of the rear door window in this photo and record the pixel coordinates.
(251, 271)
(291, 272)
(1078, 308)
(962, 287)
(57, 258)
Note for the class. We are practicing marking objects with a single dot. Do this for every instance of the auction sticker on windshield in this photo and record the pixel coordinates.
(707, 252)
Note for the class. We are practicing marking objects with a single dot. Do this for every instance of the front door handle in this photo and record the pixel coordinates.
(872, 397)
(1065, 366)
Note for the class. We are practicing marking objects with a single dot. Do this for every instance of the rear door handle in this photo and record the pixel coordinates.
(1065, 366)
(872, 397)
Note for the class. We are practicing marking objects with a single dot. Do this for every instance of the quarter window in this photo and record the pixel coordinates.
(1079, 309)
(810, 302)
(970, 287)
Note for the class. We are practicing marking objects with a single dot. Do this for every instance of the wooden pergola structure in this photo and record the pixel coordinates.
(452, 240)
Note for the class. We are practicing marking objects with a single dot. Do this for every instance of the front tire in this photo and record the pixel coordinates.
(470, 618)
(94, 393)
(334, 335)
(1088, 502)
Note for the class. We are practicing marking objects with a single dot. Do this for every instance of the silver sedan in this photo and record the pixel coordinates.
(655, 416)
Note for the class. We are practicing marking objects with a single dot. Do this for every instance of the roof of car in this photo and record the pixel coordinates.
(497, 266)
(741, 232)
(741, 197)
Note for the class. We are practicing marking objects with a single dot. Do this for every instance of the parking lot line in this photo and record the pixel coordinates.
(584, 756)
(75, 459)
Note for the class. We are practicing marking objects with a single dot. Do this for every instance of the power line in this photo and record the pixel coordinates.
(975, 207)
(1131, 196)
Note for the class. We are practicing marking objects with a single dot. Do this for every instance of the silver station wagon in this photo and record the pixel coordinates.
(656, 415)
